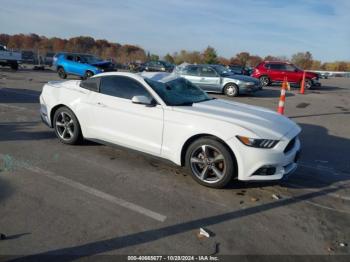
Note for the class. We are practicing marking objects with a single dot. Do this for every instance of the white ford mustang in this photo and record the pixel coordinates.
(167, 116)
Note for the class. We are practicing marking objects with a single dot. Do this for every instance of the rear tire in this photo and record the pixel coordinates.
(231, 90)
(61, 73)
(210, 163)
(67, 127)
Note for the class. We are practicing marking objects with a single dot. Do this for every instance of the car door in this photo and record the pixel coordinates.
(209, 79)
(118, 120)
(276, 72)
(69, 64)
(292, 73)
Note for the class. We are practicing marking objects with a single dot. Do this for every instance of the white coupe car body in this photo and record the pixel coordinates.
(165, 131)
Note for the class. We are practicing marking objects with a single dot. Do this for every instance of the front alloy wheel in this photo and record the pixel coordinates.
(264, 81)
(210, 163)
(231, 90)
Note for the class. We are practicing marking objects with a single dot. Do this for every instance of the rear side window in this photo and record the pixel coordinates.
(275, 66)
(92, 84)
(191, 70)
(122, 87)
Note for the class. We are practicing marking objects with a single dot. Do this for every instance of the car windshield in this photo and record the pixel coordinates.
(178, 92)
(89, 59)
(221, 70)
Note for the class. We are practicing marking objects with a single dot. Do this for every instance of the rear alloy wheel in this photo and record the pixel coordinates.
(264, 81)
(61, 73)
(231, 90)
(66, 126)
(210, 163)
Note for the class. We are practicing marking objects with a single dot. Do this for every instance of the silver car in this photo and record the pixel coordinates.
(216, 78)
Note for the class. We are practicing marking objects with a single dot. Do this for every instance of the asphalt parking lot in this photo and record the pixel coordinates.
(93, 199)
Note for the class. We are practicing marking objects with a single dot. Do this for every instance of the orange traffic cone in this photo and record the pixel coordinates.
(280, 109)
(302, 86)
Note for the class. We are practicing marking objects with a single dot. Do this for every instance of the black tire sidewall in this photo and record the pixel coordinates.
(88, 74)
(261, 84)
(230, 162)
(234, 86)
(62, 73)
(77, 131)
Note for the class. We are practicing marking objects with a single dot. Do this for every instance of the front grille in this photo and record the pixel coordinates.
(290, 145)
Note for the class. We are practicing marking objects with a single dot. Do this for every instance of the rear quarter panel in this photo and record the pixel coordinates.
(69, 94)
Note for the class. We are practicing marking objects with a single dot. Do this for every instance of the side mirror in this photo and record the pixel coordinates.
(143, 100)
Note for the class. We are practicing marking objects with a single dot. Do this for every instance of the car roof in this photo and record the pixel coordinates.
(69, 53)
(155, 76)
(277, 62)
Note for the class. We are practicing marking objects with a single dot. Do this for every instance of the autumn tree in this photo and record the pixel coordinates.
(303, 60)
(209, 55)
(242, 58)
(169, 58)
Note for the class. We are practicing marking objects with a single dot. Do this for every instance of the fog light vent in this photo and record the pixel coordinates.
(265, 171)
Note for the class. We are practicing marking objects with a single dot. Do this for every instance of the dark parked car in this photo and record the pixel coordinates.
(158, 66)
(237, 69)
(48, 59)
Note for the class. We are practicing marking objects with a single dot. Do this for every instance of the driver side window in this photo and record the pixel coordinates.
(122, 87)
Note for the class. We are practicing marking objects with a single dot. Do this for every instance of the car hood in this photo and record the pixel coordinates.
(242, 78)
(263, 122)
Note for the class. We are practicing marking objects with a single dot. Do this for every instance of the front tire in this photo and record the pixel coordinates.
(67, 127)
(231, 90)
(14, 66)
(210, 163)
(88, 74)
(264, 81)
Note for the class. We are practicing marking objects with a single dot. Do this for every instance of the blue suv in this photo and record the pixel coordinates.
(83, 65)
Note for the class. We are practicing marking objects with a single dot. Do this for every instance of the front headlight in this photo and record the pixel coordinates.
(258, 143)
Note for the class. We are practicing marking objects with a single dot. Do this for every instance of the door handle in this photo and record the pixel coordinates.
(202, 79)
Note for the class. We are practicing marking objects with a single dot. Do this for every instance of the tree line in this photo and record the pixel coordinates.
(131, 53)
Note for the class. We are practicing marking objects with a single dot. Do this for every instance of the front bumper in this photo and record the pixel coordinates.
(43, 113)
(252, 160)
(315, 82)
(246, 89)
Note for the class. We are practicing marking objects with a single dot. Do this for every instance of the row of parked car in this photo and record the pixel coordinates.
(231, 80)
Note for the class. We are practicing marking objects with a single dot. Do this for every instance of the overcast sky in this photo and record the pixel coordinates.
(276, 27)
